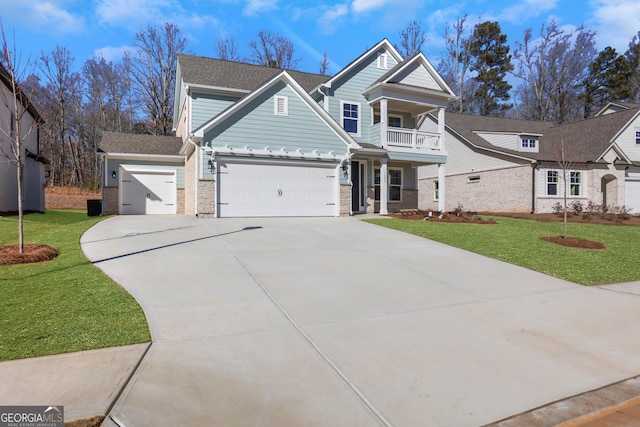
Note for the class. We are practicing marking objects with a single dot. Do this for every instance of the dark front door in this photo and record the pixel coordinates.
(355, 186)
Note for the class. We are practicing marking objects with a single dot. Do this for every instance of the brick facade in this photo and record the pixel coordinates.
(345, 199)
(110, 200)
(206, 198)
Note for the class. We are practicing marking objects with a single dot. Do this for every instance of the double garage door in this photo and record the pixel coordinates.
(147, 192)
(263, 190)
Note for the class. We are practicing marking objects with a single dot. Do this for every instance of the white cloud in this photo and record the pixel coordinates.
(254, 7)
(616, 22)
(332, 17)
(367, 5)
(527, 8)
(113, 54)
(44, 16)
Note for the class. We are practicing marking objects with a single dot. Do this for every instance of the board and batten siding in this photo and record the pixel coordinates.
(256, 126)
(349, 88)
(205, 107)
(142, 165)
(627, 140)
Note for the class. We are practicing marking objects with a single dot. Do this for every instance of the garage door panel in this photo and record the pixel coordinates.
(275, 190)
(148, 192)
(632, 196)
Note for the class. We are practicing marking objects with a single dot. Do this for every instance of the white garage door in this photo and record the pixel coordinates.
(258, 190)
(147, 192)
(632, 196)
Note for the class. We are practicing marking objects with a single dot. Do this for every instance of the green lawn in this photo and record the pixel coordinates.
(66, 304)
(517, 241)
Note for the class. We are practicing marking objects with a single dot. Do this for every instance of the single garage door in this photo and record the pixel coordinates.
(147, 192)
(632, 196)
(261, 190)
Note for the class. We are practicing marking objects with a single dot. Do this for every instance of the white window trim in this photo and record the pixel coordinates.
(395, 185)
(281, 100)
(637, 136)
(561, 184)
(358, 120)
(398, 116)
(579, 184)
(547, 182)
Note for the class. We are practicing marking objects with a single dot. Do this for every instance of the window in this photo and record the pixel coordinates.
(574, 183)
(382, 60)
(395, 185)
(638, 137)
(436, 190)
(351, 117)
(395, 122)
(552, 183)
(529, 142)
(281, 105)
(474, 178)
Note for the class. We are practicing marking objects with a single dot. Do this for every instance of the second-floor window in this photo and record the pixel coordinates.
(638, 137)
(528, 143)
(351, 117)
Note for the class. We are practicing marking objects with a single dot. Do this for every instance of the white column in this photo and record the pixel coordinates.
(383, 122)
(384, 186)
(441, 188)
(441, 129)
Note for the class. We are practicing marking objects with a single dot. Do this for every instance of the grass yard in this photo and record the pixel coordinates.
(62, 305)
(517, 241)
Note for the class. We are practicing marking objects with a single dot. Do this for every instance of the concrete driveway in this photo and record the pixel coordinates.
(311, 321)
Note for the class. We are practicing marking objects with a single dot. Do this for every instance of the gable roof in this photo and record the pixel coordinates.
(133, 143)
(384, 43)
(395, 74)
(285, 77)
(218, 73)
(616, 106)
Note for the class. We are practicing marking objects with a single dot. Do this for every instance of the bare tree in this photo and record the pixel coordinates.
(565, 162)
(22, 121)
(227, 49)
(273, 51)
(411, 40)
(324, 64)
(456, 59)
(153, 67)
(552, 67)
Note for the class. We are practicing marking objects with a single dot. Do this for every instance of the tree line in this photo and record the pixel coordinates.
(559, 77)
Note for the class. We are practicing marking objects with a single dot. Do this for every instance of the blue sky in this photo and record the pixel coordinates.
(343, 29)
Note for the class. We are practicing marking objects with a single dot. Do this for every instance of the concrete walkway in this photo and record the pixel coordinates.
(338, 322)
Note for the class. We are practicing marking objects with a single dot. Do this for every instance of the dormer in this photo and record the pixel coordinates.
(529, 143)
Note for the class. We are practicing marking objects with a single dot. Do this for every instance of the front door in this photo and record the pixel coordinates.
(358, 187)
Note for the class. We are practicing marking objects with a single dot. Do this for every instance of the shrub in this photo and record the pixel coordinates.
(576, 207)
(458, 210)
(557, 208)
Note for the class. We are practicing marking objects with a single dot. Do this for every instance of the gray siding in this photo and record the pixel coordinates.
(205, 107)
(256, 126)
(419, 77)
(350, 87)
(627, 141)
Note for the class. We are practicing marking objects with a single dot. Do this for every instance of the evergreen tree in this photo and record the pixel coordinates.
(608, 80)
(491, 60)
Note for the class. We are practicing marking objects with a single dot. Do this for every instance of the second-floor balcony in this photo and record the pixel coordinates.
(401, 139)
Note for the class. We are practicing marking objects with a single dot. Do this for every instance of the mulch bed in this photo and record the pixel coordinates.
(574, 242)
(33, 252)
(452, 218)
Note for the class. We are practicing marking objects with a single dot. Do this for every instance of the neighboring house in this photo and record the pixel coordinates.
(507, 165)
(34, 165)
(258, 141)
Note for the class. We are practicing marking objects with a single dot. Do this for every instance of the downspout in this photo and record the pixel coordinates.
(533, 186)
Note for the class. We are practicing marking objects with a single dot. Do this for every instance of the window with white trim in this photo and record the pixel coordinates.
(528, 142)
(552, 183)
(281, 105)
(350, 117)
(394, 185)
(382, 60)
(637, 136)
(393, 121)
(575, 181)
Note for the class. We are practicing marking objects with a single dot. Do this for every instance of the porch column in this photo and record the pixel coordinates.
(384, 114)
(441, 188)
(441, 129)
(384, 186)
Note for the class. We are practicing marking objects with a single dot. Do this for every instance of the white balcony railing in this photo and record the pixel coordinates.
(412, 139)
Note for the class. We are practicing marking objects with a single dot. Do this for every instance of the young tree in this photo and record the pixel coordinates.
(552, 68)
(491, 60)
(411, 40)
(21, 122)
(227, 49)
(273, 51)
(324, 64)
(153, 66)
(455, 62)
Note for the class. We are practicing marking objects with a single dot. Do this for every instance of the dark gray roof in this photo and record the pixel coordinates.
(237, 75)
(584, 141)
(132, 143)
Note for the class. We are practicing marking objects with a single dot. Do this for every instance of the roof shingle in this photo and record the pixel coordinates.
(131, 143)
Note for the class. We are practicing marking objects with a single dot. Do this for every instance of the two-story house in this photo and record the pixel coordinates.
(507, 165)
(33, 177)
(259, 141)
